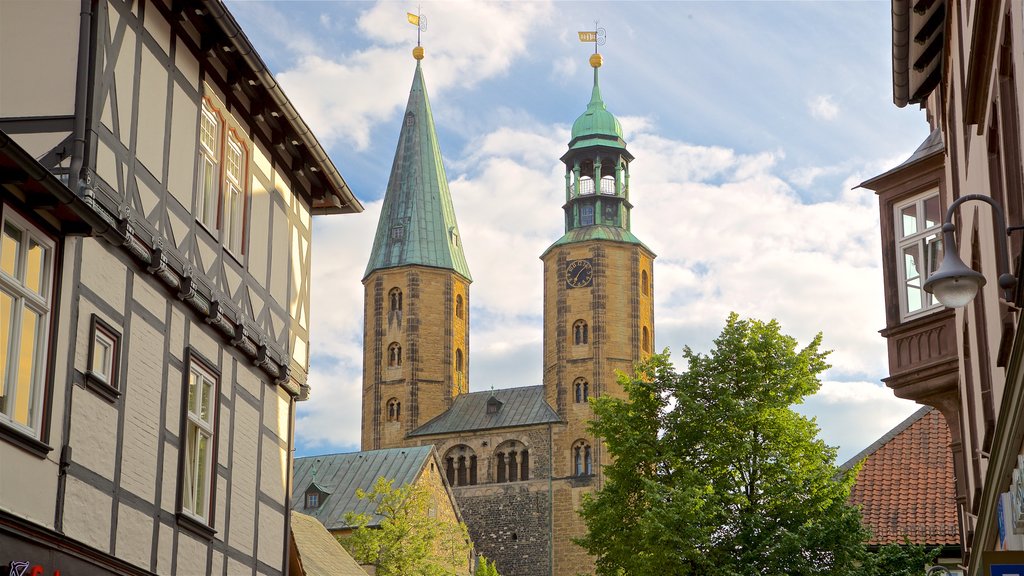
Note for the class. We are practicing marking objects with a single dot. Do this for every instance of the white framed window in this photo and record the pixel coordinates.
(209, 167)
(26, 273)
(200, 415)
(104, 357)
(312, 500)
(234, 195)
(918, 232)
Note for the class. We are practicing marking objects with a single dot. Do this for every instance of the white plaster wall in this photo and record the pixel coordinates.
(243, 477)
(87, 514)
(93, 431)
(191, 554)
(134, 536)
(142, 410)
(45, 83)
(102, 272)
(271, 546)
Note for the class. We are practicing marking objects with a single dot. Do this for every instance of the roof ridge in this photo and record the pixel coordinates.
(886, 438)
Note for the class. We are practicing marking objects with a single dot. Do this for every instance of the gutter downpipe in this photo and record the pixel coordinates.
(76, 185)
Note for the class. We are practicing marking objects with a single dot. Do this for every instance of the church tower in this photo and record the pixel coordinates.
(416, 289)
(598, 305)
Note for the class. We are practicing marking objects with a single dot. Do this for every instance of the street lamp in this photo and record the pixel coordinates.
(954, 284)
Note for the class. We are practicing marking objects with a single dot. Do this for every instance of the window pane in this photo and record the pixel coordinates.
(6, 336)
(931, 212)
(11, 250)
(234, 217)
(911, 261)
(200, 480)
(35, 268)
(101, 357)
(192, 384)
(208, 192)
(190, 472)
(208, 131)
(933, 248)
(908, 216)
(204, 409)
(24, 392)
(234, 161)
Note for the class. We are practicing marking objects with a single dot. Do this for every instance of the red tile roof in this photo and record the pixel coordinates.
(905, 487)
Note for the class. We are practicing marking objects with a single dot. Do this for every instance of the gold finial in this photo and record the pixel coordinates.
(597, 36)
(417, 52)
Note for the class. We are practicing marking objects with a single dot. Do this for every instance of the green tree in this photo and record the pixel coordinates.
(713, 473)
(485, 568)
(409, 540)
(900, 560)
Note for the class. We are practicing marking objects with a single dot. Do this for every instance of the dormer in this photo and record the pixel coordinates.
(493, 405)
(314, 496)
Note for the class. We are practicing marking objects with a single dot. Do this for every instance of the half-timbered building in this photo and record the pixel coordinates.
(157, 192)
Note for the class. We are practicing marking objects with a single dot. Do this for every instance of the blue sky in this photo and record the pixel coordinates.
(751, 123)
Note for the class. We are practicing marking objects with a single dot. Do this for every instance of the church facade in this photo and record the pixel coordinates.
(518, 460)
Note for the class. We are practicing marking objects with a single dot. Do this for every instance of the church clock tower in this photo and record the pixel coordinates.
(598, 300)
(416, 297)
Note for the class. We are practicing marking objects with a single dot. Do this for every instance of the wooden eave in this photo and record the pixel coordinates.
(22, 177)
(981, 62)
(919, 32)
(904, 173)
(212, 34)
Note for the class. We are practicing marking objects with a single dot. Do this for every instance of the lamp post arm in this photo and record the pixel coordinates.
(1006, 280)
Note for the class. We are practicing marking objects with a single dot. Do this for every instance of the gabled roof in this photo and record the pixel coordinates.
(905, 487)
(319, 553)
(417, 221)
(524, 406)
(340, 475)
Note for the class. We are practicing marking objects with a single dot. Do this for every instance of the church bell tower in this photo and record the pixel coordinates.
(598, 277)
(416, 289)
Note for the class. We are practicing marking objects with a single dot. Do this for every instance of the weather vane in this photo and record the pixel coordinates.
(419, 21)
(597, 36)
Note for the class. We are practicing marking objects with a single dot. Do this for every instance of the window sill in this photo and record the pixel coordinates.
(195, 526)
(101, 387)
(24, 441)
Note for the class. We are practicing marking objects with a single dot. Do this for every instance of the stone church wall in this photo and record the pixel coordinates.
(509, 523)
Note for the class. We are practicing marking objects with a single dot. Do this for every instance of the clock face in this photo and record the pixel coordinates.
(579, 273)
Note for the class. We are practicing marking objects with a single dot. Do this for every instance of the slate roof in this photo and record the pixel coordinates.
(319, 553)
(341, 474)
(523, 406)
(905, 487)
(417, 220)
(931, 146)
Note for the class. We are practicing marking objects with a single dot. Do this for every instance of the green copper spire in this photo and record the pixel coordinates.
(417, 222)
(597, 125)
(597, 205)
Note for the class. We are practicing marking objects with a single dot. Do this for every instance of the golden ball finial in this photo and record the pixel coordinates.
(595, 60)
(417, 52)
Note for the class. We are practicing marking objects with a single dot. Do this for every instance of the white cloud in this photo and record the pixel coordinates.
(467, 43)
(822, 107)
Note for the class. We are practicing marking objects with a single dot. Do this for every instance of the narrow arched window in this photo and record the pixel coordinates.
(395, 300)
(458, 306)
(645, 342)
(644, 283)
(501, 467)
(586, 185)
(461, 471)
(524, 465)
(580, 332)
(458, 360)
(608, 185)
(394, 410)
(449, 470)
(394, 355)
(582, 389)
(513, 467)
(582, 460)
(472, 470)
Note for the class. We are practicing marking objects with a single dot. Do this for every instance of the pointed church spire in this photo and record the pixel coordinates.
(417, 221)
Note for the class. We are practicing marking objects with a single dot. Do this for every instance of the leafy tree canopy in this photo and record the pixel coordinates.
(485, 568)
(713, 473)
(410, 540)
